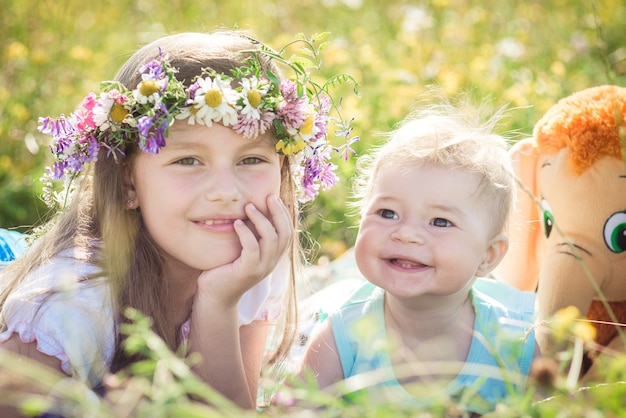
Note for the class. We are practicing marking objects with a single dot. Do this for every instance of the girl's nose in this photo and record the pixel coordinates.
(223, 185)
(407, 233)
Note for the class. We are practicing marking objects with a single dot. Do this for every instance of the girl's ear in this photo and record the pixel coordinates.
(129, 188)
(493, 255)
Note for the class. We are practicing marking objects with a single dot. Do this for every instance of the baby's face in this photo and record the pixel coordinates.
(425, 230)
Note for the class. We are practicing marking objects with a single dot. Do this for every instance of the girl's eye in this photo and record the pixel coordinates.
(251, 160)
(387, 214)
(187, 161)
(441, 223)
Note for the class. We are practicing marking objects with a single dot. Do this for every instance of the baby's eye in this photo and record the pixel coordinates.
(440, 223)
(387, 214)
(187, 161)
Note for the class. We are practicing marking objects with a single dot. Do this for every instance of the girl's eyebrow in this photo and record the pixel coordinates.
(199, 145)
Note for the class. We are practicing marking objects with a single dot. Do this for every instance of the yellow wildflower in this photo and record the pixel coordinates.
(585, 331)
(307, 126)
(290, 147)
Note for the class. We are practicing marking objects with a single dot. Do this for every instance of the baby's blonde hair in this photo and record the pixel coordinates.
(456, 136)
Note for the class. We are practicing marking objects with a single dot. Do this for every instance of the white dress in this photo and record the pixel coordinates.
(76, 322)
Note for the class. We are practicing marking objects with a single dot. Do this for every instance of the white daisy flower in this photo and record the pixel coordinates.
(148, 90)
(253, 92)
(216, 101)
(189, 113)
(102, 110)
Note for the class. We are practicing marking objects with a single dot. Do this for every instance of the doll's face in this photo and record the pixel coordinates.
(584, 222)
(589, 209)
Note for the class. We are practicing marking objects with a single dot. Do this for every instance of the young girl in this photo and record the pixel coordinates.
(201, 154)
(424, 331)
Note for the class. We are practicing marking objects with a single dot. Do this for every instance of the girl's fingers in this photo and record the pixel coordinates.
(250, 250)
(257, 251)
(263, 242)
(273, 232)
(281, 219)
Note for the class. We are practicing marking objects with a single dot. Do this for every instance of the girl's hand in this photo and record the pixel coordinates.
(259, 255)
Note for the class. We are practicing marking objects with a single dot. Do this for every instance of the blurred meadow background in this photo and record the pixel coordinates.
(525, 54)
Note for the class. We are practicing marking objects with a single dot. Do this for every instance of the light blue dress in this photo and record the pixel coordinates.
(498, 362)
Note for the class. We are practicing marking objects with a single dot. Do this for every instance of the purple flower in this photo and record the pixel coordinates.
(58, 170)
(327, 177)
(321, 117)
(310, 176)
(293, 110)
(251, 127)
(60, 144)
(191, 93)
(147, 141)
(154, 69)
(318, 172)
(144, 124)
(76, 162)
(159, 135)
(59, 127)
(152, 131)
(162, 116)
(92, 148)
(289, 90)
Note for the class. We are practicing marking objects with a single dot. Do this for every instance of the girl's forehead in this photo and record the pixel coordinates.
(183, 133)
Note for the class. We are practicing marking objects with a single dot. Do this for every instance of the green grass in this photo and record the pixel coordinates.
(164, 386)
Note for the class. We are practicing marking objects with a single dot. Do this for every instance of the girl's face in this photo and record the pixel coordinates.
(425, 231)
(192, 191)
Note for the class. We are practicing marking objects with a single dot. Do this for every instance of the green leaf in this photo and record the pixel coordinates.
(302, 63)
(273, 78)
(319, 36)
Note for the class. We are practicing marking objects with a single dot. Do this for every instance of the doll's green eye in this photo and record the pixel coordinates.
(615, 232)
(548, 217)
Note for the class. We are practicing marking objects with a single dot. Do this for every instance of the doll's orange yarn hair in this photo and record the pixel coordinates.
(587, 124)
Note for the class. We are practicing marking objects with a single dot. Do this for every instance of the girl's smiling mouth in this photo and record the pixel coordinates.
(218, 224)
(211, 222)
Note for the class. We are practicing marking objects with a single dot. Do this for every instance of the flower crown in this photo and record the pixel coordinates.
(298, 110)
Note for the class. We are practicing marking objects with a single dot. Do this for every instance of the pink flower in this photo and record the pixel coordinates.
(250, 127)
(292, 111)
(85, 113)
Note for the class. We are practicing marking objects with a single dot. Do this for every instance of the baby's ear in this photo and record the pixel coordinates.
(494, 254)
